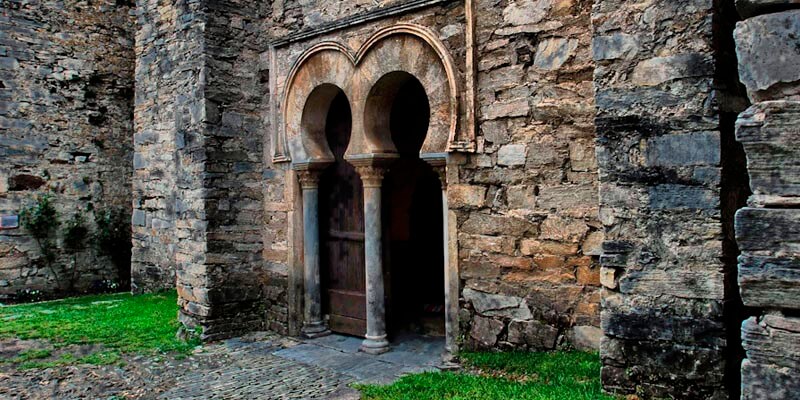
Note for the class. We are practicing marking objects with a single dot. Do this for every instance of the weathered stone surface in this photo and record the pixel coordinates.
(485, 330)
(586, 338)
(770, 281)
(769, 133)
(656, 71)
(534, 334)
(768, 382)
(768, 230)
(682, 150)
(66, 73)
(512, 155)
(554, 52)
(768, 55)
(773, 340)
(613, 46)
(496, 305)
(466, 195)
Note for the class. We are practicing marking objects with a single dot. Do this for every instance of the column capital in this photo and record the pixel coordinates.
(371, 175)
(441, 170)
(309, 178)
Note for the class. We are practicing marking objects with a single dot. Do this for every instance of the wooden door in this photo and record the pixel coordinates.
(342, 231)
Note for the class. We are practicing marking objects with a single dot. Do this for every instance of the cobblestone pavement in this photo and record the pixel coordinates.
(258, 366)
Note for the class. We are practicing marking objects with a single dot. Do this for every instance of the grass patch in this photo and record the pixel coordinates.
(121, 323)
(513, 375)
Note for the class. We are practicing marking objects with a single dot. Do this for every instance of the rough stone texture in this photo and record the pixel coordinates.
(769, 133)
(768, 230)
(768, 55)
(65, 128)
(527, 254)
(662, 98)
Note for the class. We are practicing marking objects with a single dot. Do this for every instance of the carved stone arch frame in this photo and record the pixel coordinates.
(364, 72)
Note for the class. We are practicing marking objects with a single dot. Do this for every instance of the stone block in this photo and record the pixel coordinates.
(658, 70)
(768, 230)
(671, 196)
(485, 330)
(496, 132)
(515, 108)
(512, 155)
(770, 133)
(700, 148)
(769, 382)
(497, 305)
(461, 195)
(563, 229)
(487, 224)
(552, 53)
(530, 247)
(766, 47)
(769, 281)
(593, 244)
(533, 334)
(582, 155)
(586, 338)
(614, 46)
(773, 340)
(696, 284)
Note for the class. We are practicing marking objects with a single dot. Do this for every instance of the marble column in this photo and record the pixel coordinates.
(450, 274)
(375, 341)
(313, 326)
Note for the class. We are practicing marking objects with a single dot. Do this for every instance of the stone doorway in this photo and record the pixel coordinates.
(404, 100)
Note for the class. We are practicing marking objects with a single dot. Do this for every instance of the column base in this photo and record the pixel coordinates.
(314, 330)
(374, 345)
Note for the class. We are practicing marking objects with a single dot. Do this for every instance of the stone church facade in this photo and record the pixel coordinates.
(511, 174)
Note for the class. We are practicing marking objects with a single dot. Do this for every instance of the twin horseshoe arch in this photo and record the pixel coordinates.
(328, 67)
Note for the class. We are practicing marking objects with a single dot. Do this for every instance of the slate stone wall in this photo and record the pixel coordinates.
(528, 229)
(768, 229)
(665, 90)
(168, 214)
(65, 129)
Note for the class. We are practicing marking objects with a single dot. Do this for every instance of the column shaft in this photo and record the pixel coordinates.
(313, 325)
(375, 342)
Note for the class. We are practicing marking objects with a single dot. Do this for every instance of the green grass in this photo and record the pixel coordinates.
(121, 323)
(513, 375)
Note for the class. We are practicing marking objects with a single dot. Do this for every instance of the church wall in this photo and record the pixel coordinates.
(528, 231)
(65, 130)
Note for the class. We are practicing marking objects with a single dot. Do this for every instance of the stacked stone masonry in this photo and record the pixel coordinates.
(66, 85)
(665, 98)
(767, 229)
(588, 151)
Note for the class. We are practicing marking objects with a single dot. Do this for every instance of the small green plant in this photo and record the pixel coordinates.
(41, 220)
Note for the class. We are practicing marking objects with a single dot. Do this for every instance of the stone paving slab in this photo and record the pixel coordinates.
(258, 366)
(409, 354)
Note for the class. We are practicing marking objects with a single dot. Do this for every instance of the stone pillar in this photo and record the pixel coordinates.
(768, 229)
(313, 326)
(375, 342)
(450, 273)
